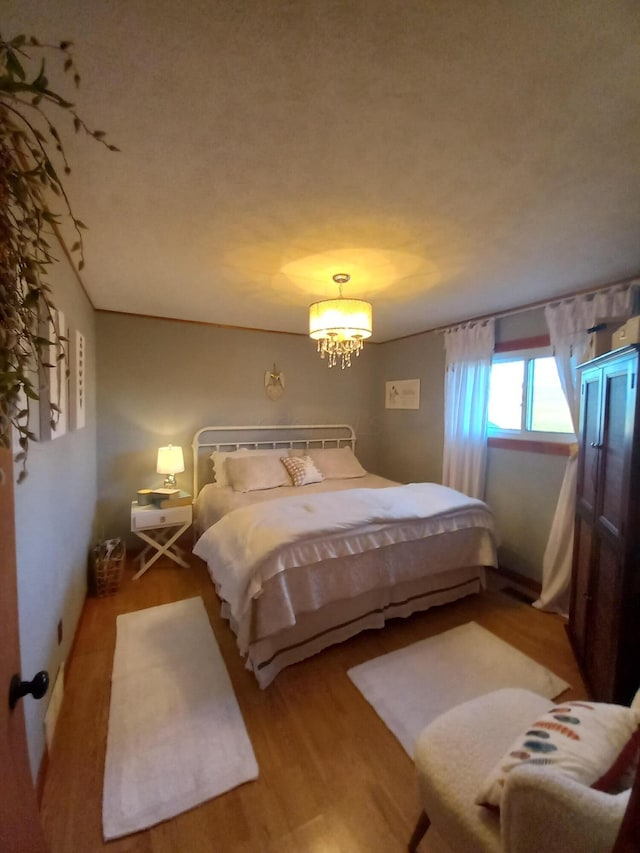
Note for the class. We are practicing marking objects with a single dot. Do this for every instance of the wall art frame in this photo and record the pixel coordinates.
(77, 380)
(54, 381)
(402, 394)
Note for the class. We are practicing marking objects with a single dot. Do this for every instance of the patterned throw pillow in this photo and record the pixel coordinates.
(592, 743)
(302, 470)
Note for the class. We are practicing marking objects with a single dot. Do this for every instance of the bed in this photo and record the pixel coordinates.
(299, 567)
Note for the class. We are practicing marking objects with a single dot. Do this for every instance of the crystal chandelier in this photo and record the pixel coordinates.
(340, 326)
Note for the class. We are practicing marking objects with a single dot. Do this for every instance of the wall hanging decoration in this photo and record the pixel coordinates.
(58, 373)
(78, 381)
(274, 383)
(402, 394)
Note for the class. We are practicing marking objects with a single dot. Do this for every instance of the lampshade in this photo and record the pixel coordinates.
(341, 318)
(170, 460)
(340, 325)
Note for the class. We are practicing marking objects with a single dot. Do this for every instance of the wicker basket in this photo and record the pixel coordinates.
(107, 562)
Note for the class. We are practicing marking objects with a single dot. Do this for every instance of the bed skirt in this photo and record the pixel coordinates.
(304, 610)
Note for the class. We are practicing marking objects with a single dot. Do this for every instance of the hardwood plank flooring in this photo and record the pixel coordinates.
(333, 779)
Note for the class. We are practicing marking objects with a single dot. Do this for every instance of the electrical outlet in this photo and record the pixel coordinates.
(59, 632)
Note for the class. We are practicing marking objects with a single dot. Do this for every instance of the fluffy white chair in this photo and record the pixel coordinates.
(540, 810)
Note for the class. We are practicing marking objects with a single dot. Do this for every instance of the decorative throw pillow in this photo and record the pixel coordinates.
(249, 473)
(336, 463)
(301, 470)
(593, 743)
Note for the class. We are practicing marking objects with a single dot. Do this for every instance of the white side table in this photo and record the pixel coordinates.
(155, 527)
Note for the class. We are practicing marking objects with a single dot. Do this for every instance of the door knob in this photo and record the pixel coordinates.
(38, 686)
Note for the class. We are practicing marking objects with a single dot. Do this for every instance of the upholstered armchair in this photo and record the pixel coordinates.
(539, 810)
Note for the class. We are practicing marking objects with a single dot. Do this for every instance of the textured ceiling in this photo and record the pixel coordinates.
(456, 158)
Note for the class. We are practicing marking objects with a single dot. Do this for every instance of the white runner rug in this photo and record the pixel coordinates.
(410, 687)
(176, 735)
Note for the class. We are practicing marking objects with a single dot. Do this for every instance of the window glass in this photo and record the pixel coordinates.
(549, 409)
(525, 397)
(505, 394)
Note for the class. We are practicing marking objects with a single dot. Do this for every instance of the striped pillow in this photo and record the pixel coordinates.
(302, 470)
(591, 742)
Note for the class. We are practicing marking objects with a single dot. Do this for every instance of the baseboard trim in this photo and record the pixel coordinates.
(521, 580)
(43, 769)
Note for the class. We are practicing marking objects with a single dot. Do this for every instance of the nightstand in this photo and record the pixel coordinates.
(157, 527)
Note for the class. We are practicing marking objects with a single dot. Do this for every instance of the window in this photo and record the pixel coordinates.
(526, 399)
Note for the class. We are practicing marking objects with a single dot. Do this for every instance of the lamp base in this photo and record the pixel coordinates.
(170, 481)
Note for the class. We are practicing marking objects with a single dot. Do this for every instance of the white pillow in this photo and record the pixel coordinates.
(590, 742)
(302, 470)
(255, 472)
(336, 463)
(219, 458)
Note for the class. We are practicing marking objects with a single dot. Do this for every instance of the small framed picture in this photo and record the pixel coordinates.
(402, 394)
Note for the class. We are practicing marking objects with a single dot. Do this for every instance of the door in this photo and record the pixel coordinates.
(20, 830)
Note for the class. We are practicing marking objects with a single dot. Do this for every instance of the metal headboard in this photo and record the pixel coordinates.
(273, 436)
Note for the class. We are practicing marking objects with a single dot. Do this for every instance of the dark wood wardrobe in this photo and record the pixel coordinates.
(604, 622)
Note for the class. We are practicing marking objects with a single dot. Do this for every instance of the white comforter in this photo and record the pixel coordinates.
(214, 502)
(250, 545)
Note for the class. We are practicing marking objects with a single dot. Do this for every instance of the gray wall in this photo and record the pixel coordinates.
(522, 488)
(522, 491)
(161, 380)
(410, 441)
(55, 509)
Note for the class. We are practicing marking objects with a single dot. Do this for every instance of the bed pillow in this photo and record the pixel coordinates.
(219, 459)
(336, 463)
(592, 743)
(253, 473)
(302, 470)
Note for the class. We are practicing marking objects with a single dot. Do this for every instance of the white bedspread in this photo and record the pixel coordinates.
(251, 544)
(214, 502)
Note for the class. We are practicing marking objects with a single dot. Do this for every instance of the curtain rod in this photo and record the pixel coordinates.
(530, 306)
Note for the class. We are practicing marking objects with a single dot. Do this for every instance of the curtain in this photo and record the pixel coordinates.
(469, 349)
(568, 322)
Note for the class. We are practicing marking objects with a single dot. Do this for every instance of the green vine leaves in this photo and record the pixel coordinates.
(32, 158)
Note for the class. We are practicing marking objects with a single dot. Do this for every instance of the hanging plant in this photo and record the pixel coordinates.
(32, 156)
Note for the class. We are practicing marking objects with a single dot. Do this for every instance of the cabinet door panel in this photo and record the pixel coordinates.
(614, 452)
(604, 622)
(589, 437)
(580, 585)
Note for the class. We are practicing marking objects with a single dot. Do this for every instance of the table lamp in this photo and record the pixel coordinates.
(170, 462)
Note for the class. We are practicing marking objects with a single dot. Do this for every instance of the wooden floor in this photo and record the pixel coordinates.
(333, 779)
